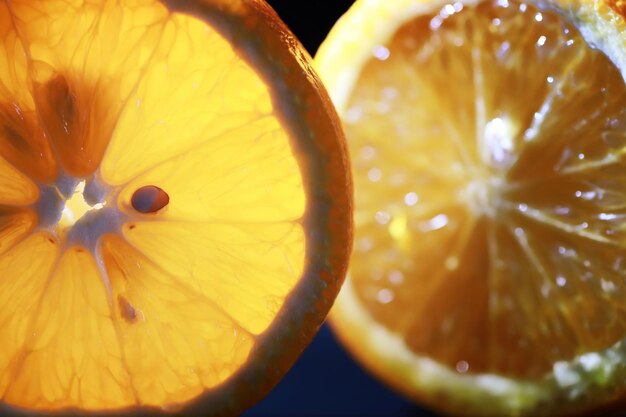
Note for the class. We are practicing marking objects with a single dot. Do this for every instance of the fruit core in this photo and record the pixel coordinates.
(77, 212)
(76, 206)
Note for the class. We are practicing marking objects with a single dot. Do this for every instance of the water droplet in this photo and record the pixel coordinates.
(436, 223)
(452, 263)
(607, 216)
(381, 52)
(585, 195)
(397, 179)
(391, 255)
(564, 375)
(462, 367)
(538, 17)
(617, 263)
(374, 174)
(382, 107)
(498, 137)
(367, 152)
(365, 244)
(396, 277)
(448, 9)
(568, 252)
(385, 296)
(382, 217)
(590, 361)
(389, 93)
(435, 23)
(353, 115)
(503, 50)
(411, 199)
(607, 286)
(562, 210)
(447, 325)
(614, 140)
(561, 281)
(541, 41)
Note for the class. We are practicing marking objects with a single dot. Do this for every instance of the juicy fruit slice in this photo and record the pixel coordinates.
(509, 191)
(175, 206)
(488, 142)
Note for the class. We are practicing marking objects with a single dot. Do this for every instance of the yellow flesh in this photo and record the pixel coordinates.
(488, 144)
(168, 304)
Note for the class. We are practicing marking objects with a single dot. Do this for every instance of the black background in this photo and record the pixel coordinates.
(326, 381)
(310, 20)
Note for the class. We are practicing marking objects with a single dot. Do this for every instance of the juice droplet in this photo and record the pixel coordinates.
(149, 199)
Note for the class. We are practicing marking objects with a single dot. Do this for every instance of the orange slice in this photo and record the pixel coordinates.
(488, 140)
(175, 206)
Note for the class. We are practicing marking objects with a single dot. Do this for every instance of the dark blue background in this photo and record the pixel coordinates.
(326, 381)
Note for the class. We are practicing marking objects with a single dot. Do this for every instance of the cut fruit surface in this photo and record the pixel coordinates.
(488, 142)
(175, 219)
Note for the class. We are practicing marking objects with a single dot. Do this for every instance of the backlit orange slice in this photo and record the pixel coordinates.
(175, 206)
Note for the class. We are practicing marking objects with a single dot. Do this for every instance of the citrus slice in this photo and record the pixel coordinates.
(175, 206)
(488, 141)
